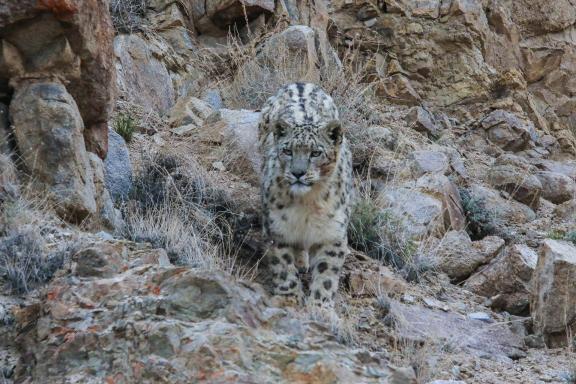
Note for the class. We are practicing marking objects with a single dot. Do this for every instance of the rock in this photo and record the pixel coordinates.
(428, 162)
(440, 187)
(70, 40)
(240, 129)
(507, 279)
(142, 77)
(106, 214)
(398, 89)
(213, 98)
(566, 211)
(553, 305)
(48, 130)
(508, 131)
(494, 341)
(566, 168)
(306, 46)
(214, 17)
(480, 316)
(105, 260)
(189, 111)
(502, 211)
(370, 282)
(520, 184)
(117, 167)
(417, 213)
(175, 324)
(422, 121)
(556, 187)
(457, 256)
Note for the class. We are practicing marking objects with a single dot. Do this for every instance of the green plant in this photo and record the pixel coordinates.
(561, 235)
(125, 126)
(480, 220)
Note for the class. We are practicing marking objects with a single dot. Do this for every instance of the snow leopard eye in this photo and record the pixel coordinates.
(287, 151)
(316, 153)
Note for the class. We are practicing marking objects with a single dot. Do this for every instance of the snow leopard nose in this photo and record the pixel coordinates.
(298, 173)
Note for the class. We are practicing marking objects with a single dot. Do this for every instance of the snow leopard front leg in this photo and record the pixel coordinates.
(284, 271)
(327, 262)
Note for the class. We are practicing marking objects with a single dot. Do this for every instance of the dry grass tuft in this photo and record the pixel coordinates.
(174, 207)
(128, 15)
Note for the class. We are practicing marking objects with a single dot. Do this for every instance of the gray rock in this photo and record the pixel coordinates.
(141, 76)
(553, 305)
(459, 257)
(520, 184)
(507, 279)
(117, 167)
(556, 187)
(241, 131)
(502, 211)
(418, 214)
(48, 130)
(107, 215)
(508, 131)
(422, 120)
(428, 162)
(213, 98)
(481, 316)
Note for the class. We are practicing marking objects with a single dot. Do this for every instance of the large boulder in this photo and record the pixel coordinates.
(553, 305)
(459, 257)
(214, 17)
(240, 130)
(423, 162)
(508, 131)
(142, 78)
(507, 279)
(502, 211)
(70, 40)
(107, 215)
(417, 213)
(48, 130)
(556, 187)
(153, 322)
(443, 189)
(117, 167)
(519, 183)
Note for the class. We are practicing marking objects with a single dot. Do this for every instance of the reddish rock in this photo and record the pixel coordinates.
(70, 40)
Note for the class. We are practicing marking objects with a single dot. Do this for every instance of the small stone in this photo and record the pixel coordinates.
(481, 316)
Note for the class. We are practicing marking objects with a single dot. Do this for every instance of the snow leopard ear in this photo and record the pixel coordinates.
(334, 131)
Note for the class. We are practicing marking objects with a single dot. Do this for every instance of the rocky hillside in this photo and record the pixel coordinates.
(130, 238)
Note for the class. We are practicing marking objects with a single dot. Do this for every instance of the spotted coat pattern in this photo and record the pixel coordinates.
(306, 190)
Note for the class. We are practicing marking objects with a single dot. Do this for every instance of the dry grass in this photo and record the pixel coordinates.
(172, 206)
(128, 15)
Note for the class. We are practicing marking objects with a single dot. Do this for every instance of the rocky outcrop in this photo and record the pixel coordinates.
(557, 187)
(117, 167)
(459, 257)
(554, 299)
(142, 77)
(152, 321)
(67, 40)
(48, 130)
(507, 279)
